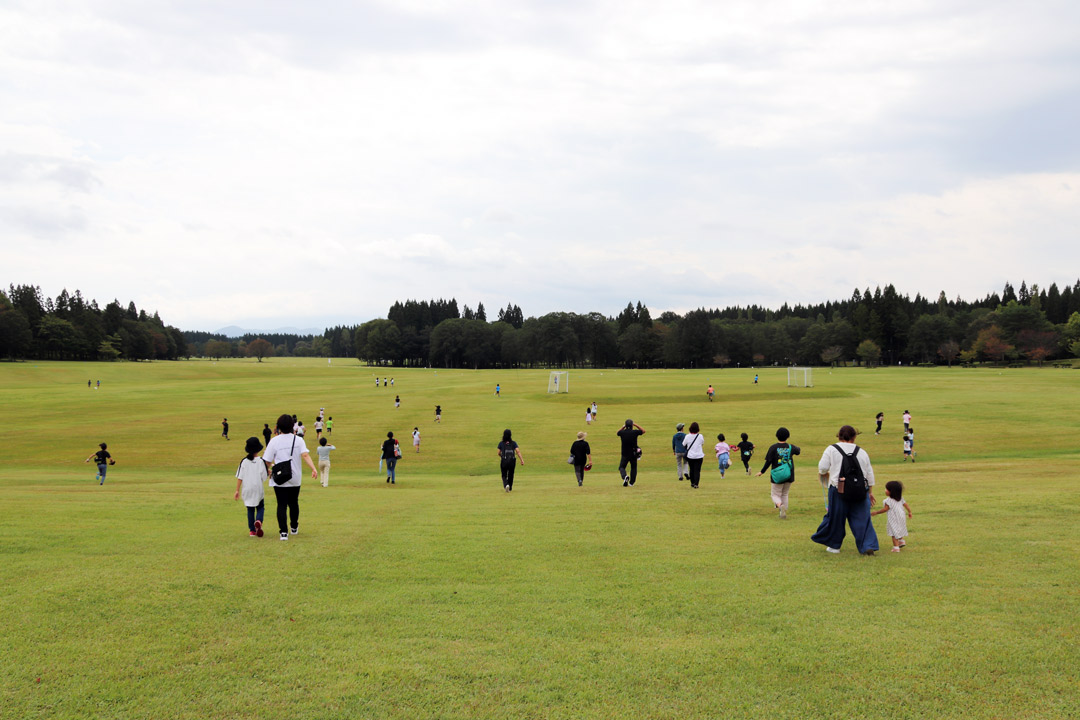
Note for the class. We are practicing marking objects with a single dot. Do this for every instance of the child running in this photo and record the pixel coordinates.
(103, 460)
(723, 456)
(907, 448)
(416, 439)
(746, 451)
(898, 513)
(250, 476)
(329, 425)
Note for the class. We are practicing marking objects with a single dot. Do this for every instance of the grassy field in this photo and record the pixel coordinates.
(444, 597)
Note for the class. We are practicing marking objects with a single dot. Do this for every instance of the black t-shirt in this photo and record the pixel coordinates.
(438, 409)
(102, 456)
(388, 449)
(581, 451)
(629, 438)
(503, 448)
(746, 448)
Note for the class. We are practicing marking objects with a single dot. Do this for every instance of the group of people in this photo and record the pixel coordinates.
(908, 437)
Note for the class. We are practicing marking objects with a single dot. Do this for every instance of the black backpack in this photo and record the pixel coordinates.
(508, 453)
(851, 483)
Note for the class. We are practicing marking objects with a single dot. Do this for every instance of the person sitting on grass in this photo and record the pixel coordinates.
(250, 476)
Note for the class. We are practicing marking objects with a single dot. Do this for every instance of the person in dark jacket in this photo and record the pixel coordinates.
(780, 462)
(681, 468)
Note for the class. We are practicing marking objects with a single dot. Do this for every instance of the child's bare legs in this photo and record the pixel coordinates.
(896, 544)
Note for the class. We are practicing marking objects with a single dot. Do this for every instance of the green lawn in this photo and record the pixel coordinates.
(444, 597)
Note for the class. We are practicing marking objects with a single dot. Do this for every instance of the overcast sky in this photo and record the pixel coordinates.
(269, 163)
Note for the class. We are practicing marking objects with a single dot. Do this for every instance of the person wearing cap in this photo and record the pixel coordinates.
(677, 448)
(582, 455)
(250, 476)
(629, 435)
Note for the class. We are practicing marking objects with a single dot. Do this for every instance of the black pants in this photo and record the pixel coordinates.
(579, 473)
(878, 427)
(508, 474)
(288, 497)
(695, 470)
(746, 462)
(632, 462)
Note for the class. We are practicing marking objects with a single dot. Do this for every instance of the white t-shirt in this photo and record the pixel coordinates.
(416, 437)
(831, 460)
(252, 475)
(695, 446)
(277, 450)
(318, 424)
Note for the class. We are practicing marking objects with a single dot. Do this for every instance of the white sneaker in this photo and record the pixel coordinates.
(293, 531)
(783, 513)
(284, 536)
(506, 488)
(835, 551)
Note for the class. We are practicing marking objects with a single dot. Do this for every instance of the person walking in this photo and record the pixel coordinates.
(508, 451)
(588, 416)
(694, 442)
(907, 420)
(879, 419)
(497, 389)
(710, 392)
(250, 476)
(438, 414)
(267, 433)
(780, 462)
(103, 460)
(746, 451)
(582, 456)
(225, 428)
(397, 401)
(329, 425)
(318, 428)
(283, 457)
(630, 453)
(324, 461)
(391, 452)
(679, 451)
(851, 481)
(416, 439)
(896, 521)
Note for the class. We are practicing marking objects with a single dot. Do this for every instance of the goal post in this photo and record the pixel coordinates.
(559, 381)
(800, 377)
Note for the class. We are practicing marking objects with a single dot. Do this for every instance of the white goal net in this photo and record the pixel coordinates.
(559, 382)
(800, 377)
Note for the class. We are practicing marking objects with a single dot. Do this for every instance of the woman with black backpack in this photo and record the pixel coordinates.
(508, 454)
(780, 462)
(851, 482)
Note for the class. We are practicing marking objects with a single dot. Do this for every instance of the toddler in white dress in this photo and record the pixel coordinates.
(898, 513)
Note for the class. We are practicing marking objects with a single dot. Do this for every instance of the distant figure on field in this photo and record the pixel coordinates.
(438, 414)
(694, 442)
(329, 425)
(746, 451)
(588, 416)
(416, 439)
(594, 411)
(682, 469)
(898, 513)
(397, 401)
(582, 454)
(250, 476)
(907, 419)
(630, 452)
(376, 381)
(391, 382)
(851, 495)
(267, 434)
(384, 382)
(497, 389)
(324, 461)
(780, 462)
(89, 383)
(225, 428)
(907, 448)
(508, 451)
(879, 419)
(710, 392)
(318, 427)
(391, 451)
(755, 378)
(103, 460)
(98, 384)
(300, 429)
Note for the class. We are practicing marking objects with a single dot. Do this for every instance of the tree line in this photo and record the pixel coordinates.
(1029, 325)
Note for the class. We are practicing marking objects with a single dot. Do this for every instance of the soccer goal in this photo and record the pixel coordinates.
(559, 382)
(800, 377)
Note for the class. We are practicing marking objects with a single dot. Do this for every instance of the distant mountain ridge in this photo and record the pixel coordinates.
(234, 331)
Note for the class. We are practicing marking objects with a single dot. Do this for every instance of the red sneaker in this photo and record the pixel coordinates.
(258, 529)
(252, 534)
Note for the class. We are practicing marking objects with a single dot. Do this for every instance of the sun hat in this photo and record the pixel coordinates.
(581, 436)
(253, 445)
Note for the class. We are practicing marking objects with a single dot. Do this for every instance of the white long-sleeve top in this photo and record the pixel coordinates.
(831, 460)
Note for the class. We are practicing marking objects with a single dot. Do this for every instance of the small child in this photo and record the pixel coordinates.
(746, 451)
(723, 456)
(896, 507)
(225, 428)
(324, 461)
(879, 419)
(397, 401)
(588, 416)
(250, 476)
(907, 448)
(330, 425)
(416, 439)
(911, 437)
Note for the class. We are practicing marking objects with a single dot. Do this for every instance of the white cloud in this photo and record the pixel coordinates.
(566, 156)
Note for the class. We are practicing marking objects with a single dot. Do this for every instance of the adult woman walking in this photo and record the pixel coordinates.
(694, 442)
(582, 455)
(781, 466)
(283, 456)
(508, 451)
(391, 451)
(850, 497)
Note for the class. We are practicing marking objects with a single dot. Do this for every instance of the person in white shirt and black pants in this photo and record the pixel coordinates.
(857, 514)
(286, 447)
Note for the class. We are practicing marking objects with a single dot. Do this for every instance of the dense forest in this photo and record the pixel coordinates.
(1029, 325)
